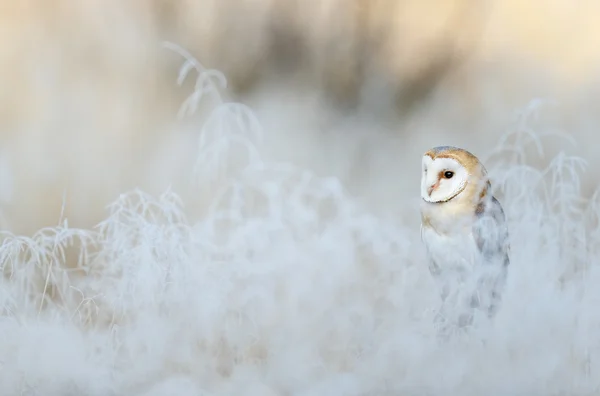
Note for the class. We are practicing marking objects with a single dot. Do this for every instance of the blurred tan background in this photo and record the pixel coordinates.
(355, 89)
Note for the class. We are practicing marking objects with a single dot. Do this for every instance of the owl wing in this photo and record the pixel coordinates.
(491, 232)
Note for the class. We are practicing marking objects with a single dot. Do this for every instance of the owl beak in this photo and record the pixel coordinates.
(433, 187)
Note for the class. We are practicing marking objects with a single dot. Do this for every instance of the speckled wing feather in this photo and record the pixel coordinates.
(491, 237)
(490, 231)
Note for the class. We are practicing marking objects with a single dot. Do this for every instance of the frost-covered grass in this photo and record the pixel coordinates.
(288, 285)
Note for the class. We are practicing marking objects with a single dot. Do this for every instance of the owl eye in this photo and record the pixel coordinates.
(448, 174)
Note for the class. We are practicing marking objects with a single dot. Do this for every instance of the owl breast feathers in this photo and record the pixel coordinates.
(463, 228)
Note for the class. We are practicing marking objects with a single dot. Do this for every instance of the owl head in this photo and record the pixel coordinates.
(451, 173)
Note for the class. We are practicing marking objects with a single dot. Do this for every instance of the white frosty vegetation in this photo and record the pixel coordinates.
(287, 286)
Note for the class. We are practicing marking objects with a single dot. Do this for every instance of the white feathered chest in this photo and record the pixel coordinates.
(464, 275)
(449, 242)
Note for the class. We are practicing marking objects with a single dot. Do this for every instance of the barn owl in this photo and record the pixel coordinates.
(464, 232)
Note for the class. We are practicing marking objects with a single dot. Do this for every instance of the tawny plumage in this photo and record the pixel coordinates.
(464, 230)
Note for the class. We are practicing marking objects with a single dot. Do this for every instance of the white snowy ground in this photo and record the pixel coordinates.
(289, 285)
